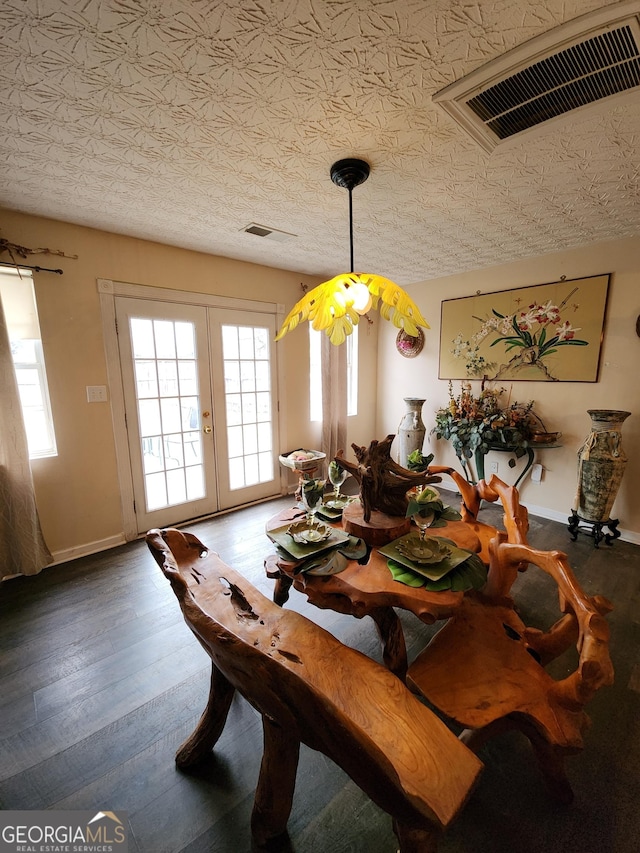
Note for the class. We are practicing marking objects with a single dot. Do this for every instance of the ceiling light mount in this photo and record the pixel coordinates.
(349, 173)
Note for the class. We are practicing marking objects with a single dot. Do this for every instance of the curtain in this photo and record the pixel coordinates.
(22, 547)
(334, 398)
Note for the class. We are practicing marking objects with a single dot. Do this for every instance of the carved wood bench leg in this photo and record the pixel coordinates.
(414, 840)
(276, 784)
(394, 649)
(209, 728)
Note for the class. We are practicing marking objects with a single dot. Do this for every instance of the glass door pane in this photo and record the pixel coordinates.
(245, 393)
(165, 362)
(165, 366)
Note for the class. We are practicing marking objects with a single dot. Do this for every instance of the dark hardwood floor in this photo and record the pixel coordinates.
(101, 680)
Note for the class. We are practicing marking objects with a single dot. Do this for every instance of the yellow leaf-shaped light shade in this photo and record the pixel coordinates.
(336, 305)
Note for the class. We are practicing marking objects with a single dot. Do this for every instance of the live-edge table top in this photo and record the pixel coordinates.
(370, 590)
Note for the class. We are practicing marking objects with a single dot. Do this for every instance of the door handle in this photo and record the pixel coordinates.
(207, 429)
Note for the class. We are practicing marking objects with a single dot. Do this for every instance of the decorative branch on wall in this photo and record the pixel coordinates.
(14, 249)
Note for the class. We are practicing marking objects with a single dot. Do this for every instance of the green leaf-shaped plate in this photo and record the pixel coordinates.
(471, 574)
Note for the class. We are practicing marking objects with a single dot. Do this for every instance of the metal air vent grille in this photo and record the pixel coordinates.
(584, 73)
(575, 66)
(268, 233)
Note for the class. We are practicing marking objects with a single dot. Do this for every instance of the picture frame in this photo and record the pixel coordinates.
(546, 332)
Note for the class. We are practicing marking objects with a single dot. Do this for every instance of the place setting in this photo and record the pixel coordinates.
(311, 546)
(333, 505)
(433, 562)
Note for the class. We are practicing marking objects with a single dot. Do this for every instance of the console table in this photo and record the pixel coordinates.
(530, 452)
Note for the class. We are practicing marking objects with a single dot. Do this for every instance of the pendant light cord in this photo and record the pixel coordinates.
(351, 227)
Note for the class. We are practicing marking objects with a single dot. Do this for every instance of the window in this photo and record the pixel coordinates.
(18, 301)
(315, 373)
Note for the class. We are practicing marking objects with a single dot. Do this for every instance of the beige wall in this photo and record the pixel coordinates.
(562, 405)
(77, 491)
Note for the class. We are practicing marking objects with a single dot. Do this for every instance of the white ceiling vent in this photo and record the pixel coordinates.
(579, 64)
(268, 233)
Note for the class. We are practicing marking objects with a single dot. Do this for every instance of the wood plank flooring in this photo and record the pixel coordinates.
(100, 681)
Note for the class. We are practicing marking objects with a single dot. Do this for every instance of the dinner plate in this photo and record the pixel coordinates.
(331, 510)
(325, 564)
(433, 571)
(301, 551)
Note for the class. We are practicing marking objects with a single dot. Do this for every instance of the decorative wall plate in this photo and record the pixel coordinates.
(407, 345)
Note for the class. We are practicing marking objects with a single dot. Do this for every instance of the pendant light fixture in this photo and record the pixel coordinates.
(336, 306)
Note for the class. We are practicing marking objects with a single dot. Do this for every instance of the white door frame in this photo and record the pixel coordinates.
(108, 291)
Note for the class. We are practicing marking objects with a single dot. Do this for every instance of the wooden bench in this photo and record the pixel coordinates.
(310, 688)
(485, 669)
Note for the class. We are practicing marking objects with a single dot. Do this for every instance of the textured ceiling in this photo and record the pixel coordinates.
(182, 121)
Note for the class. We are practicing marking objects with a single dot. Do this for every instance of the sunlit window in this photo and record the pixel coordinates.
(315, 373)
(19, 304)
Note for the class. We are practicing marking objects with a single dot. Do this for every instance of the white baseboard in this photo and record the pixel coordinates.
(563, 518)
(88, 548)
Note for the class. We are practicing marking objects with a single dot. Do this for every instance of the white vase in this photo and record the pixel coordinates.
(412, 430)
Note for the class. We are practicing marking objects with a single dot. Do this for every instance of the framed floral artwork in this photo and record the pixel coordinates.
(546, 332)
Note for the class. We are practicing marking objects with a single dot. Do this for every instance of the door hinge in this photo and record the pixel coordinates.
(135, 509)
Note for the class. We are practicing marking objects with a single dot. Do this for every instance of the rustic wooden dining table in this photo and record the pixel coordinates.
(369, 589)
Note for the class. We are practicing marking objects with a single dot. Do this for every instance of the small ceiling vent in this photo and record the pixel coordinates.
(268, 233)
(576, 70)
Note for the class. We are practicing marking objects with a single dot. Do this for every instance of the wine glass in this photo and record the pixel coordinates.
(425, 515)
(337, 475)
(423, 522)
(312, 490)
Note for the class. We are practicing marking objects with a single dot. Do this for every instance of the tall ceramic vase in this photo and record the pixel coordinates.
(412, 430)
(601, 464)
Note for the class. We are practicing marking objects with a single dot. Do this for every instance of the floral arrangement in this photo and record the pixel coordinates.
(531, 335)
(475, 424)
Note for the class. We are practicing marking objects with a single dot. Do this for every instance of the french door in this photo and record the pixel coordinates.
(199, 390)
